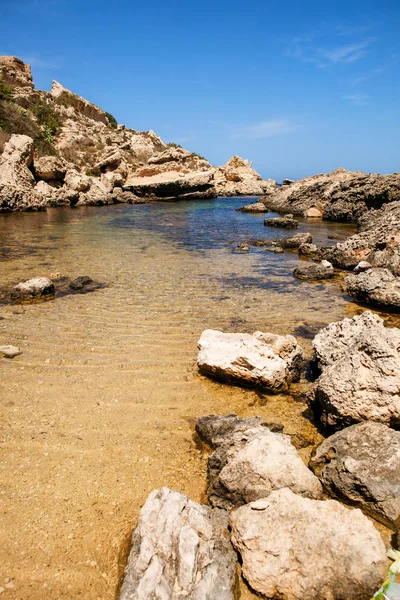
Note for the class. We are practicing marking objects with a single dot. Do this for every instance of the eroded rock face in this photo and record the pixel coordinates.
(251, 461)
(377, 242)
(360, 363)
(173, 185)
(310, 250)
(262, 360)
(323, 270)
(180, 550)
(294, 548)
(361, 464)
(374, 286)
(36, 288)
(49, 168)
(339, 196)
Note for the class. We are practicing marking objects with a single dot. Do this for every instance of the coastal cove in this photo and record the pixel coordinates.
(100, 407)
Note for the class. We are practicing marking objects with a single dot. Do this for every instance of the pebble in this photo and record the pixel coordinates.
(9, 351)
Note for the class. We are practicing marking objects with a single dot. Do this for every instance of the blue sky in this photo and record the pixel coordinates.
(297, 86)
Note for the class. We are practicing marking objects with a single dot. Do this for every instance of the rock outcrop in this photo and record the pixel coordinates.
(32, 289)
(378, 241)
(361, 464)
(294, 548)
(339, 196)
(251, 461)
(238, 178)
(173, 185)
(287, 222)
(378, 287)
(255, 207)
(360, 381)
(322, 270)
(180, 550)
(263, 360)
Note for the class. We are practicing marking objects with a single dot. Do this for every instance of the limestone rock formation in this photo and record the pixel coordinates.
(322, 270)
(262, 360)
(339, 196)
(294, 548)
(180, 550)
(280, 244)
(310, 250)
(16, 179)
(49, 168)
(378, 287)
(361, 464)
(38, 287)
(251, 461)
(238, 178)
(255, 207)
(378, 241)
(360, 363)
(173, 185)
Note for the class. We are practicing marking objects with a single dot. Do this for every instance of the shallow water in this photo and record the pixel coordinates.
(100, 408)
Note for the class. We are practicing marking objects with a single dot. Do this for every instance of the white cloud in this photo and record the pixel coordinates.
(357, 99)
(264, 129)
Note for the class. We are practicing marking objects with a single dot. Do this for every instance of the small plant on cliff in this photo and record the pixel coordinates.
(6, 92)
(90, 173)
(112, 120)
(173, 145)
(199, 156)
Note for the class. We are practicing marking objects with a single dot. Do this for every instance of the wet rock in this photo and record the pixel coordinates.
(36, 288)
(274, 249)
(361, 465)
(286, 222)
(180, 550)
(295, 241)
(9, 351)
(294, 548)
(243, 247)
(323, 270)
(377, 287)
(378, 241)
(360, 363)
(310, 250)
(262, 360)
(257, 207)
(251, 461)
(80, 282)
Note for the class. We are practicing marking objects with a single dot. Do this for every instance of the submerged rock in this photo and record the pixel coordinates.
(9, 351)
(294, 548)
(286, 222)
(360, 363)
(361, 464)
(295, 241)
(36, 288)
(262, 360)
(80, 282)
(243, 247)
(323, 270)
(180, 550)
(251, 461)
(374, 286)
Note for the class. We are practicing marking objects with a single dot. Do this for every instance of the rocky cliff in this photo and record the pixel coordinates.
(60, 148)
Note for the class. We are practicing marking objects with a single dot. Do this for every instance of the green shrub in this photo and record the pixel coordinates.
(14, 119)
(6, 92)
(173, 145)
(199, 156)
(112, 120)
(90, 173)
(48, 119)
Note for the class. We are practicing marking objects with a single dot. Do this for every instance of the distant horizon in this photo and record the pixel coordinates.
(295, 90)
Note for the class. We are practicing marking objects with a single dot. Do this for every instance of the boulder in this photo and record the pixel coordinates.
(256, 207)
(180, 550)
(310, 250)
(378, 241)
(238, 178)
(323, 270)
(295, 548)
(9, 351)
(378, 287)
(80, 282)
(49, 168)
(361, 465)
(77, 182)
(36, 288)
(285, 222)
(360, 381)
(251, 461)
(263, 360)
(362, 266)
